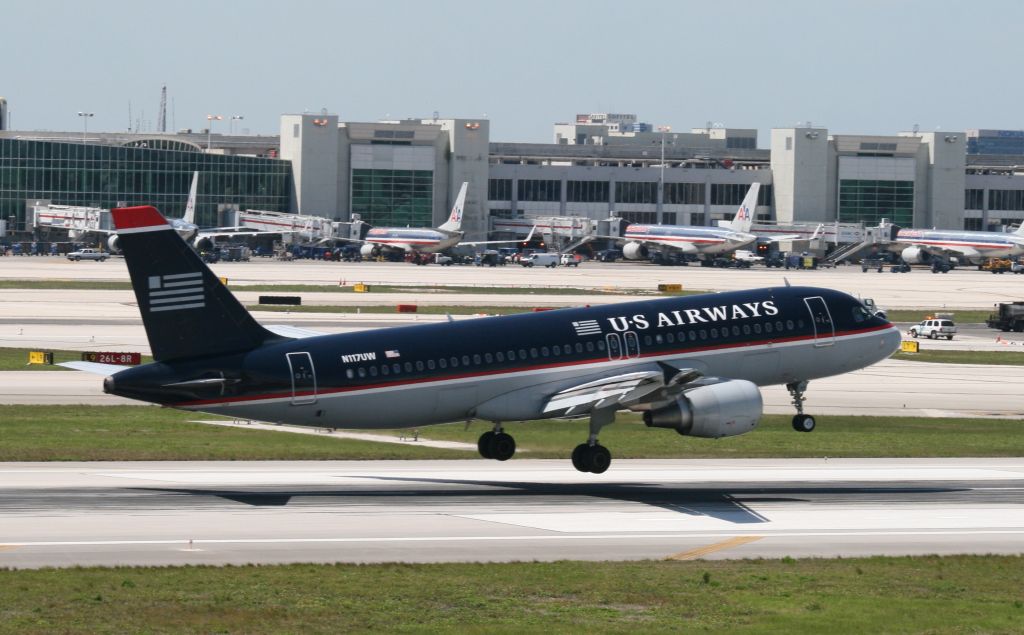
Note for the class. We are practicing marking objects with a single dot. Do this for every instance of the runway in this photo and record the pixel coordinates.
(221, 513)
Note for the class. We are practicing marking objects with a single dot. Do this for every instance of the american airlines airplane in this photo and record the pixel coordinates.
(424, 241)
(923, 246)
(696, 240)
(690, 364)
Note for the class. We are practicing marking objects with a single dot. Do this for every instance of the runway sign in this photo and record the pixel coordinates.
(122, 359)
(910, 346)
(40, 357)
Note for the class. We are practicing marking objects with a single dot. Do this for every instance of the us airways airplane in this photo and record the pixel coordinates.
(923, 246)
(424, 241)
(690, 364)
(695, 240)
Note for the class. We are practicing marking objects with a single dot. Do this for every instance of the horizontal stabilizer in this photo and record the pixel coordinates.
(293, 332)
(94, 368)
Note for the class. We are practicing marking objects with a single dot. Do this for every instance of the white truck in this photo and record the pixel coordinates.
(934, 328)
(540, 260)
(87, 254)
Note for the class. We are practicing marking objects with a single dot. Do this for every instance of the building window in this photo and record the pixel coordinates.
(636, 192)
(668, 218)
(684, 194)
(645, 218)
(1006, 200)
(973, 225)
(974, 199)
(539, 190)
(765, 194)
(871, 201)
(500, 213)
(697, 218)
(394, 198)
(586, 191)
(499, 189)
(729, 193)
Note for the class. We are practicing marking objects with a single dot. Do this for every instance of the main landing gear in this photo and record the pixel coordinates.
(801, 421)
(496, 444)
(592, 456)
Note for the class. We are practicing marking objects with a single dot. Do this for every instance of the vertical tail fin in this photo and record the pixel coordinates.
(745, 214)
(454, 222)
(186, 310)
(1020, 230)
(190, 206)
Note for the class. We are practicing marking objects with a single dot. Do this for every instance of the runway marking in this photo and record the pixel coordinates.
(543, 538)
(700, 552)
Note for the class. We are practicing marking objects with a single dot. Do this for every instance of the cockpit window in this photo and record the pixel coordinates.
(861, 314)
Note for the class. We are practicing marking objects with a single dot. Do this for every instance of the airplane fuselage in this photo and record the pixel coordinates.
(984, 244)
(403, 238)
(427, 374)
(689, 239)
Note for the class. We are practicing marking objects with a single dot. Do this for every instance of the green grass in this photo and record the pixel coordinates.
(997, 358)
(102, 285)
(17, 359)
(147, 433)
(960, 316)
(123, 433)
(953, 594)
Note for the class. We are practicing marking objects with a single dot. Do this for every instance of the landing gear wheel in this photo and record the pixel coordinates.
(598, 459)
(483, 445)
(591, 458)
(502, 446)
(578, 454)
(803, 423)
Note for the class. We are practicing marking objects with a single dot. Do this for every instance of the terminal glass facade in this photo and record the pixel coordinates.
(870, 201)
(394, 198)
(107, 176)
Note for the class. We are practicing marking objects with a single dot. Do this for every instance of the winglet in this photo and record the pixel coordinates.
(745, 214)
(454, 222)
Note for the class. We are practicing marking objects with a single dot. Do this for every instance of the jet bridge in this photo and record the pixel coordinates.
(884, 234)
(73, 219)
(560, 233)
(302, 227)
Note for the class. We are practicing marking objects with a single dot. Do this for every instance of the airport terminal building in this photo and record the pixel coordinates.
(407, 173)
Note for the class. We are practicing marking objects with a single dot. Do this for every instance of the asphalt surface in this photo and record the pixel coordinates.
(219, 513)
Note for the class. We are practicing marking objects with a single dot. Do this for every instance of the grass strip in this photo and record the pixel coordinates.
(17, 359)
(960, 316)
(996, 358)
(147, 433)
(127, 433)
(929, 594)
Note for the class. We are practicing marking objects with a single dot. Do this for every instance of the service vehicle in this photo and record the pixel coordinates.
(539, 260)
(571, 260)
(1009, 318)
(997, 265)
(934, 328)
(87, 254)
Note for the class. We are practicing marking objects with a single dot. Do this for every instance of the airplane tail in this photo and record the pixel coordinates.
(1020, 230)
(745, 214)
(454, 222)
(190, 206)
(185, 308)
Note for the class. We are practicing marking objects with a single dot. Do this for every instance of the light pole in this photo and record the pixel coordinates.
(209, 128)
(661, 186)
(85, 122)
(231, 124)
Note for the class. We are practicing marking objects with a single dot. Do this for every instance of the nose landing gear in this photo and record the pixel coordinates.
(801, 422)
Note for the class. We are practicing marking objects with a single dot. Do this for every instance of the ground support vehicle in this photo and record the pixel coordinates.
(1009, 318)
(87, 254)
(934, 328)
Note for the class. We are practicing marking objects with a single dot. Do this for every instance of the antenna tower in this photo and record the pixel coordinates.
(161, 119)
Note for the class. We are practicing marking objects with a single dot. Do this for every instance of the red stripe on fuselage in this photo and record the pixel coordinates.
(504, 371)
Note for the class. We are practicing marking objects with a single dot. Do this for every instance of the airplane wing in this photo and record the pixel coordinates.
(627, 390)
(293, 332)
(681, 247)
(499, 242)
(93, 367)
(969, 253)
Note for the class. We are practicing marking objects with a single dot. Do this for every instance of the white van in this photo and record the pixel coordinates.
(540, 260)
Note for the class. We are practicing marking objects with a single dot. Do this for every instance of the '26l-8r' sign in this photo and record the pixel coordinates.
(122, 359)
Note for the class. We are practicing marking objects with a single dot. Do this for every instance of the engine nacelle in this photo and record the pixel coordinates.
(916, 254)
(719, 410)
(635, 251)
(112, 244)
(369, 251)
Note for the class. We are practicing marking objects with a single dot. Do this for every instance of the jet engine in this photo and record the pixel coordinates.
(916, 254)
(719, 410)
(369, 251)
(112, 246)
(635, 251)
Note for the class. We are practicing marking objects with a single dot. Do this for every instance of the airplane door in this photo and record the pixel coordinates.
(821, 319)
(303, 378)
(614, 346)
(632, 344)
